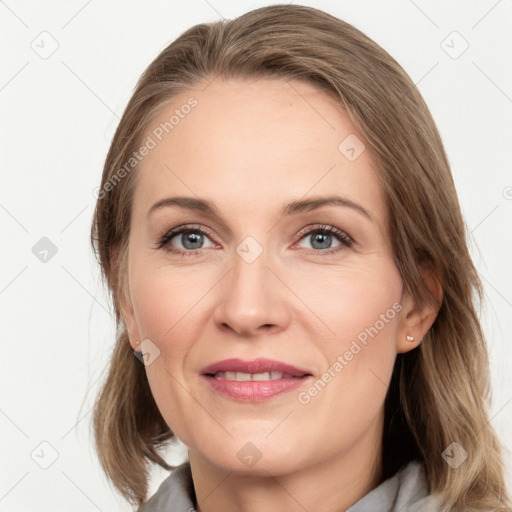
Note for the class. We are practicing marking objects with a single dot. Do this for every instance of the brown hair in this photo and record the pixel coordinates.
(438, 392)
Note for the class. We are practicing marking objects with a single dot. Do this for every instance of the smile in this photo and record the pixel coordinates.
(255, 380)
(244, 377)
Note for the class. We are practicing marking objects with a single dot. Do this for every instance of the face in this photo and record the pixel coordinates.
(268, 292)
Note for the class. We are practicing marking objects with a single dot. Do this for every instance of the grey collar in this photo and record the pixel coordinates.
(406, 491)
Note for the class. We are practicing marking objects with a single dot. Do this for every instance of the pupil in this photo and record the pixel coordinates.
(192, 240)
(323, 239)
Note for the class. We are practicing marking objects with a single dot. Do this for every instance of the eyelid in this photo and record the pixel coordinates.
(327, 228)
(346, 241)
(168, 235)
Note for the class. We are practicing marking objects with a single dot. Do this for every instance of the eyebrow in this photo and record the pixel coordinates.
(301, 205)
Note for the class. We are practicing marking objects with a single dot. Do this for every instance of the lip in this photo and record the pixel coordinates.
(254, 391)
(259, 365)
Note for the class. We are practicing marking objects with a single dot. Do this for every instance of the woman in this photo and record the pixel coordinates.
(279, 227)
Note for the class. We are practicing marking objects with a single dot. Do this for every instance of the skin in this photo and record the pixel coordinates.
(251, 147)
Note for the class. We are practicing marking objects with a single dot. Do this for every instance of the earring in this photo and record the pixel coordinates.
(410, 338)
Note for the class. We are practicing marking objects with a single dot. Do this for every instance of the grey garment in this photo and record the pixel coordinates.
(406, 491)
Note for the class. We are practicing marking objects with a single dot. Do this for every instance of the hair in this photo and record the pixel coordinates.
(439, 392)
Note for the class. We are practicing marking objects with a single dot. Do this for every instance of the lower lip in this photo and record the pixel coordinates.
(254, 391)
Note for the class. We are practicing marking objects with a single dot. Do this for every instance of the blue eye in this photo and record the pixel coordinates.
(191, 240)
(322, 238)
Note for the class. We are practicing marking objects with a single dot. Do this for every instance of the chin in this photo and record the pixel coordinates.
(256, 457)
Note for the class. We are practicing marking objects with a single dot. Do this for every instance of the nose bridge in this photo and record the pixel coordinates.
(250, 274)
(251, 296)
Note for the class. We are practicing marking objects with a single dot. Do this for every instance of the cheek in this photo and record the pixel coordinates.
(360, 310)
(165, 302)
(355, 302)
(166, 306)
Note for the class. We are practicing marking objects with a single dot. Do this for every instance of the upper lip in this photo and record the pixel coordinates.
(260, 365)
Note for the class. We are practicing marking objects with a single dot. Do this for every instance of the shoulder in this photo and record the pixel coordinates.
(406, 491)
(413, 494)
(175, 493)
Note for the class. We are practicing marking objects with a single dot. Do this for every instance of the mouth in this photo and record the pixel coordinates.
(255, 380)
(245, 377)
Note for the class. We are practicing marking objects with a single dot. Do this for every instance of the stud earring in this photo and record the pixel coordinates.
(410, 338)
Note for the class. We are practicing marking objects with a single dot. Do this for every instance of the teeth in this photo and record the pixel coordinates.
(264, 376)
(244, 377)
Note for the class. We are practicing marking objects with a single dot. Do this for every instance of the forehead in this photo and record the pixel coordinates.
(249, 144)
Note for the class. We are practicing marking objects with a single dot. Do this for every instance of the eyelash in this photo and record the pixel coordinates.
(345, 240)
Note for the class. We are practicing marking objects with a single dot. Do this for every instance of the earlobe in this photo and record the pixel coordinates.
(129, 323)
(121, 288)
(128, 316)
(418, 318)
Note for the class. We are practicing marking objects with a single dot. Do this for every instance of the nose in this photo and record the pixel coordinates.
(252, 300)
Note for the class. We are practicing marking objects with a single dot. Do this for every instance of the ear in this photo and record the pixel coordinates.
(416, 319)
(122, 290)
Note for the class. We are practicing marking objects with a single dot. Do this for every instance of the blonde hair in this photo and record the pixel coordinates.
(438, 392)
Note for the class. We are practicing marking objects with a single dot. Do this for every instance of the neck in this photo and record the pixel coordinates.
(333, 485)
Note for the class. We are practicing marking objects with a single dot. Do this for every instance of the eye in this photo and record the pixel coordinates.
(326, 239)
(185, 240)
(190, 240)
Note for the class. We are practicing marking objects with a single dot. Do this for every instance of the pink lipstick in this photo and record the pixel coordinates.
(254, 380)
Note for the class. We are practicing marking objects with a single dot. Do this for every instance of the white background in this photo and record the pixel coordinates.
(58, 118)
